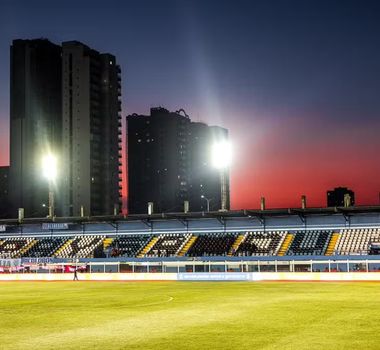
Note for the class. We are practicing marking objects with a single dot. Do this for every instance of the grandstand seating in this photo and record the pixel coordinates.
(129, 245)
(168, 245)
(357, 241)
(13, 247)
(261, 243)
(212, 244)
(313, 242)
(80, 247)
(45, 247)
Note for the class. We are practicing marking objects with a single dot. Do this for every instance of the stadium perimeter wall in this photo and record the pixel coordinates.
(230, 276)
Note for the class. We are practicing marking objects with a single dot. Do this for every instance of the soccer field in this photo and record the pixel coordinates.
(186, 315)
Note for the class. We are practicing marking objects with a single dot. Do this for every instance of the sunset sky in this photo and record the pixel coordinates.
(297, 83)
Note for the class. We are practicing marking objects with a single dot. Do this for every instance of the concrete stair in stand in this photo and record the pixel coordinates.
(27, 247)
(62, 247)
(331, 246)
(107, 242)
(235, 246)
(285, 244)
(187, 246)
(148, 247)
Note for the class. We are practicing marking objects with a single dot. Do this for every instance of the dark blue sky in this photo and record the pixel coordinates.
(296, 82)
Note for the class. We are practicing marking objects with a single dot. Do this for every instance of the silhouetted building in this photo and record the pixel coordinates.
(35, 120)
(205, 179)
(65, 100)
(169, 162)
(91, 131)
(336, 197)
(157, 161)
(4, 190)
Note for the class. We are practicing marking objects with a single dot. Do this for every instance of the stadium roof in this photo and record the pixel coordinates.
(346, 211)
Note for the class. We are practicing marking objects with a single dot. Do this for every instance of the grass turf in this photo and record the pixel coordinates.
(187, 315)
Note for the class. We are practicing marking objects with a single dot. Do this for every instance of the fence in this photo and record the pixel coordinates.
(195, 266)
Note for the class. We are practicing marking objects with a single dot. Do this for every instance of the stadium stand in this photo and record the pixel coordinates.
(44, 247)
(261, 243)
(357, 241)
(232, 234)
(14, 247)
(313, 242)
(81, 247)
(213, 244)
(128, 246)
(168, 245)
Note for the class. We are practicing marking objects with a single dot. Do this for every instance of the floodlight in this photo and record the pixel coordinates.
(49, 167)
(221, 154)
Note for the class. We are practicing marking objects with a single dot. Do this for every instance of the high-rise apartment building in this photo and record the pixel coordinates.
(91, 140)
(157, 161)
(65, 100)
(169, 163)
(4, 191)
(340, 197)
(205, 185)
(35, 120)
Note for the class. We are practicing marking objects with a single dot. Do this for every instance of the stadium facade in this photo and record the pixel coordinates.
(243, 234)
(249, 245)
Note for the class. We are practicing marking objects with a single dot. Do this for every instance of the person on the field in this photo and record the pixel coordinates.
(75, 274)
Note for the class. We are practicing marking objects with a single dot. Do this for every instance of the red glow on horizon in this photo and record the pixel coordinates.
(295, 159)
(284, 161)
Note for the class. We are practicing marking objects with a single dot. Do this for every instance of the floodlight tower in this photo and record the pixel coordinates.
(49, 171)
(221, 160)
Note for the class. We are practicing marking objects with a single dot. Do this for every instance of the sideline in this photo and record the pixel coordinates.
(199, 277)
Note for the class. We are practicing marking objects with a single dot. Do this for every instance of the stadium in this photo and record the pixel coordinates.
(191, 280)
(132, 136)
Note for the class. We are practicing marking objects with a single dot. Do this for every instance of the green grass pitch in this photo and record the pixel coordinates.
(189, 315)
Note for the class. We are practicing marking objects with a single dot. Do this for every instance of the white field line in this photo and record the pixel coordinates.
(170, 299)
